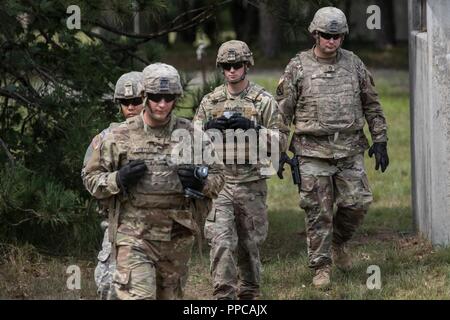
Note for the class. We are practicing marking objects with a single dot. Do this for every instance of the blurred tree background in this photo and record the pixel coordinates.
(56, 87)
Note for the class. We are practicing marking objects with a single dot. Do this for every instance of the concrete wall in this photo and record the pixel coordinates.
(430, 118)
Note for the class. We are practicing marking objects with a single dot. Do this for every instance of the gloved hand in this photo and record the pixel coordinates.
(239, 122)
(284, 158)
(188, 179)
(381, 155)
(220, 123)
(129, 174)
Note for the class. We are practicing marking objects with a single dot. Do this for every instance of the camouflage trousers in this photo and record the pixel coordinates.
(104, 269)
(325, 183)
(153, 269)
(235, 229)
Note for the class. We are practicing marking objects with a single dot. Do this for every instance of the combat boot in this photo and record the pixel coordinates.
(341, 258)
(321, 279)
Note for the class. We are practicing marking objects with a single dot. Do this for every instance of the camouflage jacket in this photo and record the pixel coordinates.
(329, 104)
(95, 143)
(254, 103)
(148, 209)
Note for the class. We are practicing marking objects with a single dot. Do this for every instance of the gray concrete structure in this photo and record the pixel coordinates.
(429, 39)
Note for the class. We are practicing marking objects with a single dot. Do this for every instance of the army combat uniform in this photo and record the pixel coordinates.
(328, 102)
(128, 86)
(152, 222)
(104, 269)
(156, 226)
(238, 224)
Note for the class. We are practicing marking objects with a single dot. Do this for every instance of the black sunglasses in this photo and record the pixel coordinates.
(235, 66)
(134, 102)
(158, 97)
(328, 36)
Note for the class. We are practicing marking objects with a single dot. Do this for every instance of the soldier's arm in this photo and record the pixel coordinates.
(216, 177)
(100, 171)
(371, 105)
(287, 91)
(87, 156)
(200, 115)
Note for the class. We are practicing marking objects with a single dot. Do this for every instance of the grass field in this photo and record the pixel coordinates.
(410, 267)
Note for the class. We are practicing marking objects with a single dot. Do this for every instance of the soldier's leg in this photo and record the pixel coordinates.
(104, 269)
(353, 197)
(220, 231)
(252, 226)
(135, 275)
(316, 198)
(172, 267)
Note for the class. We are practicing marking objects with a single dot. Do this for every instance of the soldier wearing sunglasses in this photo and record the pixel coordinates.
(238, 225)
(153, 223)
(328, 94)
(128, 95)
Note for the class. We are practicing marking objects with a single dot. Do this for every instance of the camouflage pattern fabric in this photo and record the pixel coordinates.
(128, 86)
(234, 51)
(328, 101)
(153, 269)
(152, 209)
(329, 20)
(306, 100)
(325, 182)
(162, 78)
(105, 269)
(235, 229)
(237, 225)
(254, 103)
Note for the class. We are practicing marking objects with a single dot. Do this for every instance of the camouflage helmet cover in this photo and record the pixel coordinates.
(130, 85)
(234, 51)
(329, 20)
(162, 78)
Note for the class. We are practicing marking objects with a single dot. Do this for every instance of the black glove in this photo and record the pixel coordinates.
(381, 155)
(129, 174)
(239, 122)
(220, 123)
(284, 158)
(188, 179)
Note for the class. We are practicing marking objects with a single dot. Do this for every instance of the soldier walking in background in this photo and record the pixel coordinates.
(128, 93)
(327, 93)
(237, 226)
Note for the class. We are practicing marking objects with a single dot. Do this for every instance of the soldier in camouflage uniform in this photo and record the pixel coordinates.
(237, 226)
(152, 224)
(128, 93)
(328, 93)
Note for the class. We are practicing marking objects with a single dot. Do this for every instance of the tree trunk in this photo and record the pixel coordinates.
(269, 32)
(245, 21)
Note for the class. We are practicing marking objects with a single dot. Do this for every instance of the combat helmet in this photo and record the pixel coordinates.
(329, 20)
(161, 78)
(234, 51)
(129, 86)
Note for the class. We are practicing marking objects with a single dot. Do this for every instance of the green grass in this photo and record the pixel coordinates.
(410, 267)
